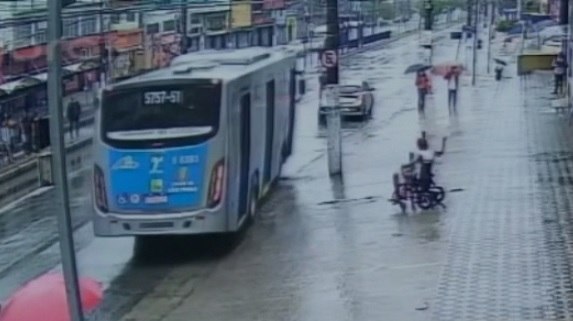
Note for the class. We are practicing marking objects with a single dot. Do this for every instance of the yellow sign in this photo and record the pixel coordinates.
(240, 14)
(291, 25)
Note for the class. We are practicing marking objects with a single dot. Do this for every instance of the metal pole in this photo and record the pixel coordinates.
(109, 46)
(55, 107)
(475, 29)
(331, 61)
(469, 13)
(307, 31)
(184, 17)
(489, 39)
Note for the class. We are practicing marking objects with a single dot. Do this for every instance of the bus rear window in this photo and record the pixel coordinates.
(160, 116)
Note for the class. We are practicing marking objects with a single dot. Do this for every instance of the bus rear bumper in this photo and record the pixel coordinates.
(186, 223)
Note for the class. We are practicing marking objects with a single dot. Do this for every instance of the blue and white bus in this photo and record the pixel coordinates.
(193, 148)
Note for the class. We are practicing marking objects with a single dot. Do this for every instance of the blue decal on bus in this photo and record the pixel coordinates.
(148, 180)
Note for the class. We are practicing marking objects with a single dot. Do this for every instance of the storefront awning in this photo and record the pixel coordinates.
(43, 77)
(25, 82)
(85, 65)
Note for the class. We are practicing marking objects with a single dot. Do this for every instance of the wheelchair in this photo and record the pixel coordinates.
(425, 195)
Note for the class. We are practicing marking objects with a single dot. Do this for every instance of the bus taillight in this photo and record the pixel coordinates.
(100, 191)
(216, 184)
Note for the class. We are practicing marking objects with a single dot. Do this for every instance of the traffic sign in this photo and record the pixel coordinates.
(329, 58)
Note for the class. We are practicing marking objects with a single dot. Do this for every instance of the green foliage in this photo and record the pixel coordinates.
(505, 25)
(385, 10)
(533, 6)
(441, 6)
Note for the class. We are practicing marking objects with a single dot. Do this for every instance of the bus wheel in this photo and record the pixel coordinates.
(253, 206)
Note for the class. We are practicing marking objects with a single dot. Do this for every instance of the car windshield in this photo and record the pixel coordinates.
(350, 89)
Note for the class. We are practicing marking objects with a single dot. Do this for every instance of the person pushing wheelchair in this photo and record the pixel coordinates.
(423, 159)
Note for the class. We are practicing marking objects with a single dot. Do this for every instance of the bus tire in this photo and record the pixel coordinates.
(253, 205)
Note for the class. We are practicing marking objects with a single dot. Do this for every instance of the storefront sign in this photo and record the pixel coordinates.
(75, 49)
(241, 14)
(273, 4)
(165, 47)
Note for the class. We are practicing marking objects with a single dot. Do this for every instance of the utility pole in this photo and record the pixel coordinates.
(330, 60)
(59, 169)
(305, 45)
(564, 12)
(469, 13)
(428, 8)
(105, 49)
(489, 34)
(184, 18)
(475, 30)
(428, 21)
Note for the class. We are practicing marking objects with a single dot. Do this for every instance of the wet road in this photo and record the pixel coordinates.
(337, 250)
(32, 250)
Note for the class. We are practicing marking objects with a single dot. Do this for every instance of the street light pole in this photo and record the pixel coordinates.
(330, 60)
(428, 22)
(59, 160)
(491, 7)
(475, 30)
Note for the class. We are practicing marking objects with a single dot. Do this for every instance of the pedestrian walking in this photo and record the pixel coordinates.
(559, 68)
(27, 132)
(453, 79)
(5, 140)
(423, 85)
(36, 133)
(73, 114)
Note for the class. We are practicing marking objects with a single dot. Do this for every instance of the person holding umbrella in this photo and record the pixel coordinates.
(45, 299)
(423, 85)
(559, 67)
(453, 79)
(499, 65)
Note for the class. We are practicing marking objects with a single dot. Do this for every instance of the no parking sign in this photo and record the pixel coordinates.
(329, 58)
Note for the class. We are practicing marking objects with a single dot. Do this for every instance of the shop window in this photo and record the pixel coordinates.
(130, 17)
(195, 30)
(169, 25)
(89, 25)
(115, 18)
(70, 28)
(152, 28)
(23, 35)
(194, 19)
(40, 34)
(216, 23)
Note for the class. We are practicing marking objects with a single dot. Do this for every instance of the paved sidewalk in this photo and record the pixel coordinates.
(509, 252)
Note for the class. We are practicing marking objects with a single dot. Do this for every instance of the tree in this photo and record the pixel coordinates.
(441, 6)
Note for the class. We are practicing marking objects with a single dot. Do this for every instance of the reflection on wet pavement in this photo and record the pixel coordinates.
(325, 249)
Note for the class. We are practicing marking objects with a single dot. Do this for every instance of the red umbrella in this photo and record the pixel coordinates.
(45, 299)
(443, 68)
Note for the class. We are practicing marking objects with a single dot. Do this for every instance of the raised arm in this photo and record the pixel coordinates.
(440, 153)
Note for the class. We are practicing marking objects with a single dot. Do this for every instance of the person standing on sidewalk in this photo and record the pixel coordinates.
(73, 114)
(5, 140)
(27, 132)
(559, 68)
(423, 85)
(453, 79)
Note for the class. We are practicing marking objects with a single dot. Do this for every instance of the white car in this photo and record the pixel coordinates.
(354, 101)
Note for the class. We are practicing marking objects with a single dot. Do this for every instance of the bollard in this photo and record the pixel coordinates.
(45, 176)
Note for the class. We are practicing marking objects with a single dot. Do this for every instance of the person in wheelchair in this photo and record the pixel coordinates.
(423, 159)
